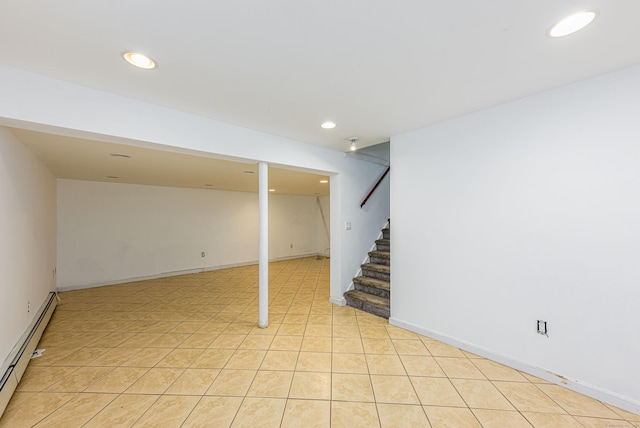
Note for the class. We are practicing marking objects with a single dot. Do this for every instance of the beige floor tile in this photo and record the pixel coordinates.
(501, 419)
(546, 420)
(451, 417)
(439, 349)
(351, 387)
(280, 360)
(256, 342)
(385, 364)
(604, 423)
(624, 414)
(316, 344)
(51, 355)
(123, 411)
(141, 340)
(117, 381)
(420, 365)
(197, 340)
(307, 413)
(262, 412)
(292, 329)
(373, 332)
(577, 404)
(168, 411)
(233, 383)
(352, 414)
(533, 379)
(527, 397)
(310, 385)
(346, 331)
(193, 382)
(481, 394)
(114, 357)
(81, 357)
(378, 346)
(228, 341)
(271, 384)
(461, 368)
(347, 345)
(410, 347)
(314, 362)
(320, 319)
(349, 363)
(155, 381)
(495, 371)
(212, 359)
(295, 319)
(32, 407)
(169, 340)
(77, 411)
(246, 359)
(180, 358)
(213, 412)
(40, 378)
(286, 343)
(433, 391)
(147, 357)
(399, 333)
(393, 389)
(323, 330)
(402, 416)
(79, 379)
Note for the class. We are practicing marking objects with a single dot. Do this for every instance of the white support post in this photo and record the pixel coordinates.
(263, 261)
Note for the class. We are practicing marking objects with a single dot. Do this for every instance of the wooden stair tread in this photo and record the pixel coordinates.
(369, 298)
(373, 282)
(376, 267)
(381, 254)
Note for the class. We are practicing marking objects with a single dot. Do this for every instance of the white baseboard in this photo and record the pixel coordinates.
(16, 363)
(592, 391)
(340, 301)
(179, 272)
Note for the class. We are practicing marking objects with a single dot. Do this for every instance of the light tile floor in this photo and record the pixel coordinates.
(186, 352)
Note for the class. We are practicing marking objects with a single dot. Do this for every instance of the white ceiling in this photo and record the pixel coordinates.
(376, 67)
(80, 159)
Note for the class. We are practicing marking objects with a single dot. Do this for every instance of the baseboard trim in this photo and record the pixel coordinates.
(340, 301)
(592, 391)
(17, 361)
(181, 272)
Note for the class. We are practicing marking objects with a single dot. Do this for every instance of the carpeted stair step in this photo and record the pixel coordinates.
(383, 245)
(373, 270)
(369, 303)
(386, 233)
(380, 257)
(374, 286)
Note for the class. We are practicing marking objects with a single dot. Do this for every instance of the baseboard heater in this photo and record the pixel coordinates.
(16, 362)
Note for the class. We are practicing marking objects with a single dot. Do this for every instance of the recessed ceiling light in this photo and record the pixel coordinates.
(324, 181)
(249, 172)
(119, 155)
(328, 125)
(572, 23)
(110, 176)
(272, 190)
(139, 60)
(208, 185)
(353, 146)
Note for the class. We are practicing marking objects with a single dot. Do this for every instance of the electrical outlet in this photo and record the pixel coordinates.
(204, 254)
(347, 225)
(542, 328)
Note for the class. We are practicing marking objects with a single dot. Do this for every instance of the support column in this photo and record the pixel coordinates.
(263, 260)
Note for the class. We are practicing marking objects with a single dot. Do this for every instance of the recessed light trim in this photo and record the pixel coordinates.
(272, 190)
(328, 125)
(119, 155)
(111, 177)
(324, 181)
(249, 172)
(208, 185)
(139, 60)
(572, 23)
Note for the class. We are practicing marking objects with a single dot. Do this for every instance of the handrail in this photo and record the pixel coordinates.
(373, 189)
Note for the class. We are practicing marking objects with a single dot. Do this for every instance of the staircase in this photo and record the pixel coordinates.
(372, 291)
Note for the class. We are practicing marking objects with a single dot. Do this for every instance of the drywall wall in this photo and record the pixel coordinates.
(112, 232)
(32, 101)
(28, 238)
(522, 212)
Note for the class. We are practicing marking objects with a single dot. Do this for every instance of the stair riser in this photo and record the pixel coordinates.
(380, 260)
(377, 275)
(383, 247)
(367, 307)
(386, 234)
(372, 290)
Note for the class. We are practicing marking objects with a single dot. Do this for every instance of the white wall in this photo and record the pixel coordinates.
(527, 211)
(110, 232)
(27, 238)
(33, 102)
